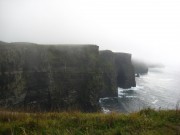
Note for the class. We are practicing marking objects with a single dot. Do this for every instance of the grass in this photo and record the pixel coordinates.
(145, 122)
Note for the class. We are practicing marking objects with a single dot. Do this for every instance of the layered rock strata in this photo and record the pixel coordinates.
(60, 77)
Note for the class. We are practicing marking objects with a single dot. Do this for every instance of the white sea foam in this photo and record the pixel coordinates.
(168, 79)
(131, 96)
(121, 94)
(138, 87)
(105, 110)
(155, 101)
(156, 89)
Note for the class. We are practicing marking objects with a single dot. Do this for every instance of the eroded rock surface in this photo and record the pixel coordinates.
(60, 77)
(117, 72)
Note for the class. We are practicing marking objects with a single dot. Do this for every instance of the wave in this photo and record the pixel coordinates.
(156, 90)
(155, 101)
(138, 87)
(105, 110)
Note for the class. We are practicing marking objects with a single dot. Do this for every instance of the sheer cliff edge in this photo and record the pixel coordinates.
(60, 77)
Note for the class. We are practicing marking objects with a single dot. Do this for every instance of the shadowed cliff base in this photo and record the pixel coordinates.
(60, 77)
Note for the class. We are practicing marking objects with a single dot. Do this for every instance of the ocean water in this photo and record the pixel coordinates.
(159, 89)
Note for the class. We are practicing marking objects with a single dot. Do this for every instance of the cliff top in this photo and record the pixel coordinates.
(117, 53)
(61, 45)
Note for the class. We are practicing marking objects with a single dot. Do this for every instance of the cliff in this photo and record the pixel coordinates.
(117, 72)
(108, 69)
(49, 77)
(125, 70)
(60, 77)
(140, 67)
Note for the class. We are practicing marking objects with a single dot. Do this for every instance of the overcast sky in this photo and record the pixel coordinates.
(149, 29)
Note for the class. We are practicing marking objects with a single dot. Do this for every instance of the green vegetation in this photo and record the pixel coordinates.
(145, 122)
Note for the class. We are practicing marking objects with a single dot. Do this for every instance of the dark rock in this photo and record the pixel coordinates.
(125, 70)
(117, 72)
(60, 77)
(44, 77)
(109, 72)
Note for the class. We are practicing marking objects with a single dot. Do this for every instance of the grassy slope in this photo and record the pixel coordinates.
(145, 122)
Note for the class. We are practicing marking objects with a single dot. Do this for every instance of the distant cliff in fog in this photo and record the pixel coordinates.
(140, 67)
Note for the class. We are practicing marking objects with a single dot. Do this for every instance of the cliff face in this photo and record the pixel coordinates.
(125, 70)
(53, 77)
(49, 77)
(109, 72)
(117, 72)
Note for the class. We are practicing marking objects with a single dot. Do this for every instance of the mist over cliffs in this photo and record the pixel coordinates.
(61, 77)
(140, 67)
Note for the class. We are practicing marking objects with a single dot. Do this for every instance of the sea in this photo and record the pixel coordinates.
(158, 89)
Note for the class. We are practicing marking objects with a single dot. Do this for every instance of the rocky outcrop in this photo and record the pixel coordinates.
(117, 72)
(125, 70)
(108, 69)
(60, 77)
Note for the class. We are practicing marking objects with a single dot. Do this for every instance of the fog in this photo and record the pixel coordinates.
(149, 29)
